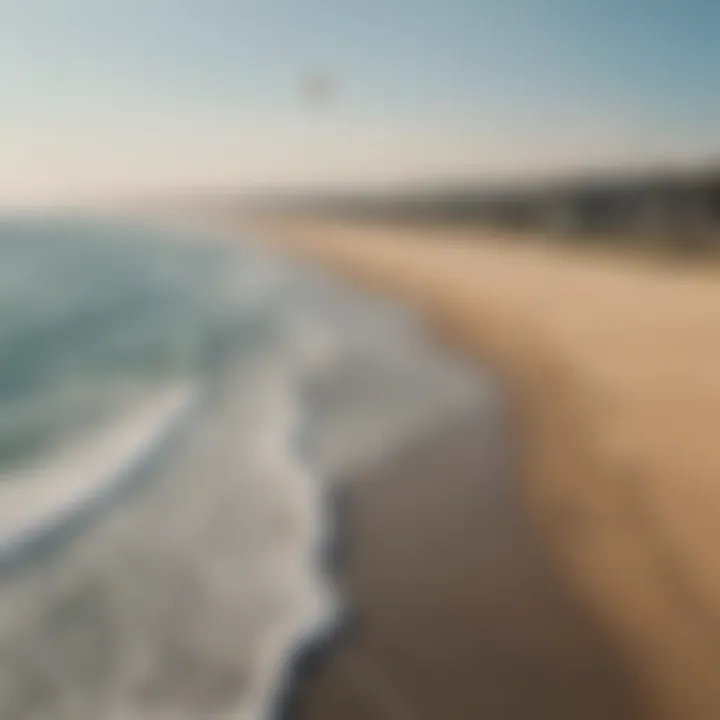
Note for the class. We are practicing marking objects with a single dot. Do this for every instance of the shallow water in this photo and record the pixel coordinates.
(182, 597)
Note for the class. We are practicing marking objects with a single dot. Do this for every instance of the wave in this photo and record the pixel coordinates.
(49, 497)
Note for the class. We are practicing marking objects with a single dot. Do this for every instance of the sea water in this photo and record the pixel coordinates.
(173, 407)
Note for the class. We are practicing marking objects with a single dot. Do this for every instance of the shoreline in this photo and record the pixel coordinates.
(614, 536)
(413, 642)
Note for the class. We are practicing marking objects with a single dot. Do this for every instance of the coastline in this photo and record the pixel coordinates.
(601, 481)
(454, 610)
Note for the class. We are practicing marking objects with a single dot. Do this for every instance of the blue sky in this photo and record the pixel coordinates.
(114, 95)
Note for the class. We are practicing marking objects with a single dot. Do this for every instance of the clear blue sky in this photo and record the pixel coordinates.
(97, 95)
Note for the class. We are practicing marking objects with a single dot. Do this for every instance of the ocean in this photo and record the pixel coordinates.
(174, 409)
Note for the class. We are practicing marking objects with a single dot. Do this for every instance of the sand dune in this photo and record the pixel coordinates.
(616, 371)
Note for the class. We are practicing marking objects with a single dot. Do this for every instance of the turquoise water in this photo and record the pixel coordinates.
(95, 315)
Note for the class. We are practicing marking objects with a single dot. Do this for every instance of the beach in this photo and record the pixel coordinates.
(456, 611)
(610, 366)
(520, 438)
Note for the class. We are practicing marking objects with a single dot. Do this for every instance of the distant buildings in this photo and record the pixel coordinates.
(678, 210)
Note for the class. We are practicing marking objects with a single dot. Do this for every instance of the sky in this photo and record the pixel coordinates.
(125, 96)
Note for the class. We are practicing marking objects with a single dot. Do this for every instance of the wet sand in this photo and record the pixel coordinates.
(456, 612)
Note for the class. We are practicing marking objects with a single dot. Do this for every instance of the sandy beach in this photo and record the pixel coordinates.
(611, 367)
(457, 613)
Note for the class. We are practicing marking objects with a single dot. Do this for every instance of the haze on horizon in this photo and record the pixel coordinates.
(103, 97)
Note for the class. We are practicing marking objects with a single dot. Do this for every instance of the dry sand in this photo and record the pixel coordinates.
(616, 386)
